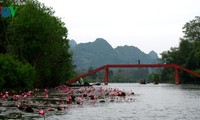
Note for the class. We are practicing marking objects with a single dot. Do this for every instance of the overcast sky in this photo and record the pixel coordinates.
(146, 24)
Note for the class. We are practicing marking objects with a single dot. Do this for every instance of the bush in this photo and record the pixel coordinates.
(15, 74)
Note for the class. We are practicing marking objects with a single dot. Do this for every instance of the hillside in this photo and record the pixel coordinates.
(100, 52)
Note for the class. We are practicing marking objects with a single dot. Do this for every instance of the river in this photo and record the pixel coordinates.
(151, 102)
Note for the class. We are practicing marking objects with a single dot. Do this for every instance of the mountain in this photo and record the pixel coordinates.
(153, 54)
(131, 55)
(100, 52)
(72, 43)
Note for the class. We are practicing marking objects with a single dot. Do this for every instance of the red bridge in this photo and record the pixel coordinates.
(106, 68)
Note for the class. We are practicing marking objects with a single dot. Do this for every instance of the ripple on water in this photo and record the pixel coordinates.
(160, 102)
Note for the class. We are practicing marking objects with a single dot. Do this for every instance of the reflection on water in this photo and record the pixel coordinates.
(152, 102)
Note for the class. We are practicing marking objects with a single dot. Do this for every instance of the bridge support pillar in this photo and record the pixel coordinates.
(176, 76)
(106, 76)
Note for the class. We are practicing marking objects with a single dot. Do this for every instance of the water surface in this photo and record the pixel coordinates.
(151, 102)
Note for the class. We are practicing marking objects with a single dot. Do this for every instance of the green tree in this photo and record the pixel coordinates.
(188, 52)
(154, 77)
(3, 34)
(170, 56)
(192, 35)
(4, 22)
(40, 38)
(15, 74)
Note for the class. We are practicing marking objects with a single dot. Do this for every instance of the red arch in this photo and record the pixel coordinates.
(106, 67)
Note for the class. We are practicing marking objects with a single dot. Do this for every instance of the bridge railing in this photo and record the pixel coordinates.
(106, 67)
(189, 71)
(85, 75)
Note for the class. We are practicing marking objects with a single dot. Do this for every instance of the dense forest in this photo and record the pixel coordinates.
(33, 46)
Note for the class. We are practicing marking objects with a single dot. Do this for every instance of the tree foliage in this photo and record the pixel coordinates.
(15, 74)
(39, 38)
(188, 52)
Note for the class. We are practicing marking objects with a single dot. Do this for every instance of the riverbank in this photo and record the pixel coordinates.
(58, 101)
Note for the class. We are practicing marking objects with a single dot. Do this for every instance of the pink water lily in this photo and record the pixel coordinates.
(41, 112)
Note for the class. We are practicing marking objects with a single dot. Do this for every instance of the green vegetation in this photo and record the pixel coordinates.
(38, 42)
(187, 54)
(125, 75)
(15, 74)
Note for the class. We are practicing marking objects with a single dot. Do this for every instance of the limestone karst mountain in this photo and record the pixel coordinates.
(100, 52)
